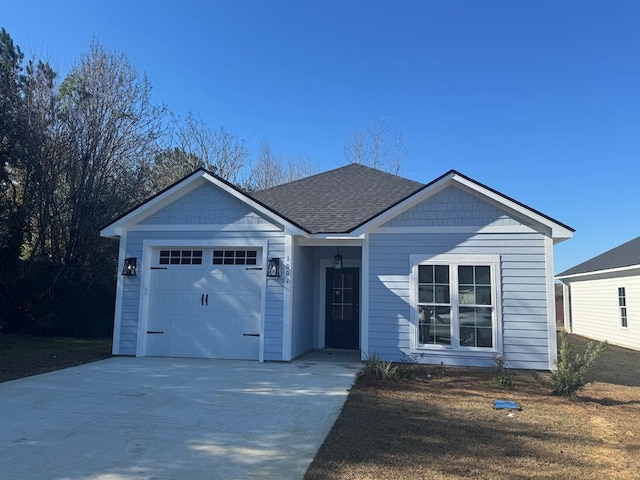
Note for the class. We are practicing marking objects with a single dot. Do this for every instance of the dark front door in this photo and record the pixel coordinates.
(343, 308)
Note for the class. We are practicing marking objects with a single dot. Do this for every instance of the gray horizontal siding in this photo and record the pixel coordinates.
(303, 304)
(274, 307)
(524, 299)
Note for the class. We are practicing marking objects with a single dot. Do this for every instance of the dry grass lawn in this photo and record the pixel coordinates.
(23, 356)
(436, 426)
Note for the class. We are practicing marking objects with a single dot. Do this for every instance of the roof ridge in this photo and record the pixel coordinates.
(333, 170)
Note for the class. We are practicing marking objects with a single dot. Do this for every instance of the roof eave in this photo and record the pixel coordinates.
(593, 273)
(115, 229)
(558, 231)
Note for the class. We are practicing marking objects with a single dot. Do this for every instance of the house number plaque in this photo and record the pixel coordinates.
(287, 270)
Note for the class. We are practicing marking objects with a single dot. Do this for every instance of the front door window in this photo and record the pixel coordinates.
(342, 307)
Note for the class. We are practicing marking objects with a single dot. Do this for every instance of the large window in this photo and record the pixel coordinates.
(622, 306)
(456, 304)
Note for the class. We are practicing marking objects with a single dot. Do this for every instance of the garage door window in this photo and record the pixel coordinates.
(235, 257)
(180, 257)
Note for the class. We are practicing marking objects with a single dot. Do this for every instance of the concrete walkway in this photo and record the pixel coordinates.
(166, 418)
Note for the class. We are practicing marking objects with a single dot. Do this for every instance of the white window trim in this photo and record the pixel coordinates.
(496, 293)
(626, 309)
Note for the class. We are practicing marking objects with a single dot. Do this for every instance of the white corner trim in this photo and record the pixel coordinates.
(551, 303)
(288, 281)
(566, 306)
(263, 302)
(364, 300)
(143, 302)
(117, 320)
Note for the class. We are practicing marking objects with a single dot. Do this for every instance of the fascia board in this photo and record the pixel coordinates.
(187, 185)
(557, 232)
(152, 205)
(597, 274)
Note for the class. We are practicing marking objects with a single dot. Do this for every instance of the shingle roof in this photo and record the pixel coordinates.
(626, 255)
(339, 200)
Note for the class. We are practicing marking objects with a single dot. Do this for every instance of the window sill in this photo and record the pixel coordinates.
(425, 349)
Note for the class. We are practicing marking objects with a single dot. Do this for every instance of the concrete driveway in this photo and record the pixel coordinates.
(166, 418)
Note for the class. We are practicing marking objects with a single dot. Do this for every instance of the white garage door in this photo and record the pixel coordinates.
(205, 303)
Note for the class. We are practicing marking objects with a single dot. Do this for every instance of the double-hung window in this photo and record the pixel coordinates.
(455, 302)
(622, 306)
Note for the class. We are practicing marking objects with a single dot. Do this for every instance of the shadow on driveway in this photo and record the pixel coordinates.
(165, 418)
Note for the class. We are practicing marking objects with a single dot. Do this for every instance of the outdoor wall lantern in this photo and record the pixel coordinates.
(273, 269)
(130, 267)
(337, 261)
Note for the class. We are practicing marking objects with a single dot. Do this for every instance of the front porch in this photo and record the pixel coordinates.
(326, 297)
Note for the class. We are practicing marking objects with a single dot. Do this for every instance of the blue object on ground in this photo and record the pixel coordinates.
(508, 404)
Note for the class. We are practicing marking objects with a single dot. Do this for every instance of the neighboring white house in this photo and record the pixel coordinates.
(604, 296)
(354, 258)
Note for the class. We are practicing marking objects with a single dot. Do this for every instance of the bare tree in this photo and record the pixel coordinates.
(171, 165)
(108, 134)
(192, 145)
(271, 169)
(376, 146)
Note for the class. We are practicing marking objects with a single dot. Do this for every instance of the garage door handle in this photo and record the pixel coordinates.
(251, 334)
(204, 299)
(154, 332)
(253, 268)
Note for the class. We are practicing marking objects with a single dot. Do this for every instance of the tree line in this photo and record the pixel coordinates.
(79, 150)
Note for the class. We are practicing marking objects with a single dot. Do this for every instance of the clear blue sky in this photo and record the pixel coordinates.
(537, 99)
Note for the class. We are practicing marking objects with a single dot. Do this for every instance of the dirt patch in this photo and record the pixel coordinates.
(447, 428)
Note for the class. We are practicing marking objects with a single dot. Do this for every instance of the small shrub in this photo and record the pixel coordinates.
(502, 375)
(387, 370)
(571, 368)
(371, 365)
(382, 369)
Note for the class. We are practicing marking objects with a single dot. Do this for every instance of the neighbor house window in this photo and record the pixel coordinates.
(456, 304)
(622, 305)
